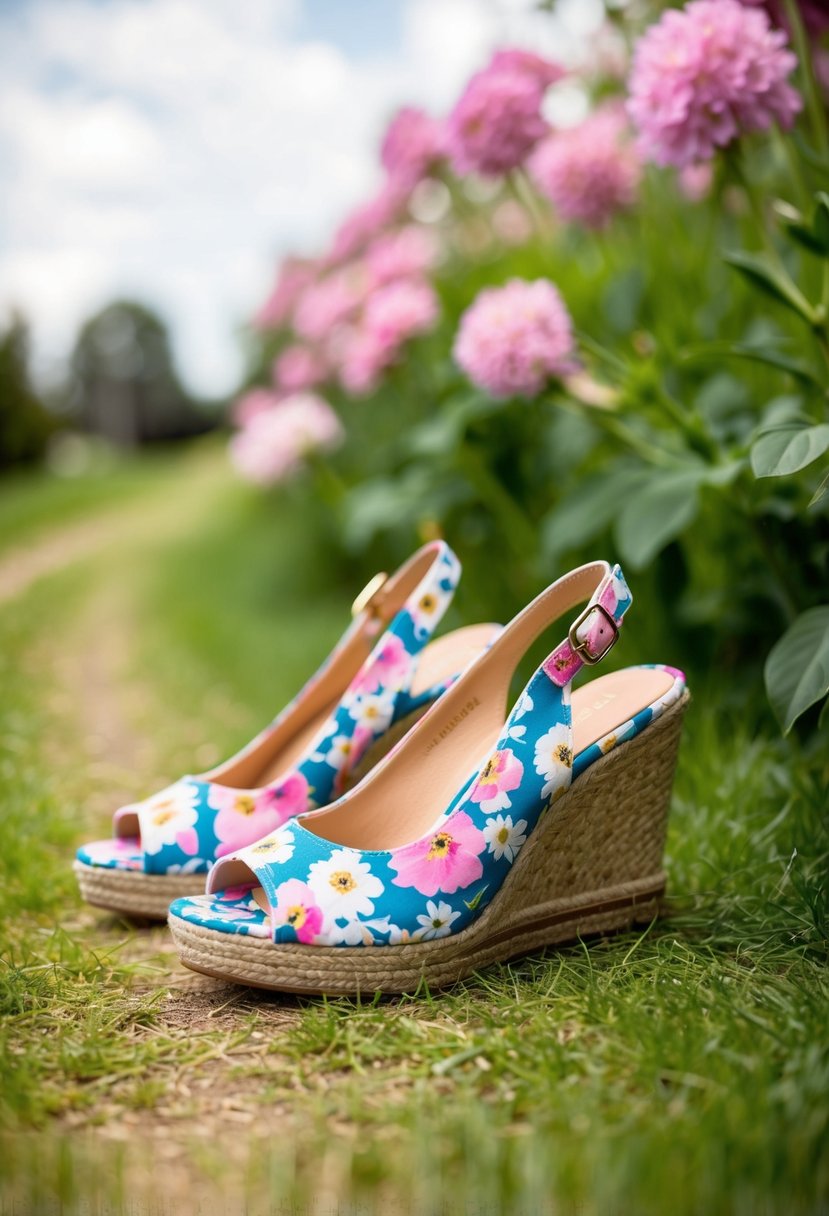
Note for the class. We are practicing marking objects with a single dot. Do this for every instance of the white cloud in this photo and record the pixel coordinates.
(170, 149)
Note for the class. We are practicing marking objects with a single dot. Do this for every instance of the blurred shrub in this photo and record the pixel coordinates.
(25, 425)
(123, 384)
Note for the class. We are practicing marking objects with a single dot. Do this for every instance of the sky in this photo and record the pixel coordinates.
(172, 150)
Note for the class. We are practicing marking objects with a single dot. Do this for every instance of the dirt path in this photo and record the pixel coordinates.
(167, 514)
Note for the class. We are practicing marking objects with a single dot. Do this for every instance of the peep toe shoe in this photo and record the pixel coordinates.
(380, 678)
(489, 831)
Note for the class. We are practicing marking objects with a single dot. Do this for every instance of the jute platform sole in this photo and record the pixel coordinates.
(593, 865)
(133, 893)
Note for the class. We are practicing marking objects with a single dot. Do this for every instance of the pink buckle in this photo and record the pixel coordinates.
(594, 626)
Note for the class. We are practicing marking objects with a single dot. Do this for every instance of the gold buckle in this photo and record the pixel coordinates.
(368, 593)
(580, 647)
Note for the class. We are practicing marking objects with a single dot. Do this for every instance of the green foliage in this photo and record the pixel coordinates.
(797, 669)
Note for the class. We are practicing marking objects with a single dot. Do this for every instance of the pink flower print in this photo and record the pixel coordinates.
(387, 667)
(447, 860)
(296, 907)
(502, 772)
(244, 817)
(287, 799)
(232, 894)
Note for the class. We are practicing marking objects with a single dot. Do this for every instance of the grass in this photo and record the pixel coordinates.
(685, 1069)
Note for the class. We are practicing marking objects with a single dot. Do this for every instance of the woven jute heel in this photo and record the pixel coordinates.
(132, 893)
(593, 865)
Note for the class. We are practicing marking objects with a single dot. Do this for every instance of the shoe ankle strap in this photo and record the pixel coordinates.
(594, 632)
(402, 611)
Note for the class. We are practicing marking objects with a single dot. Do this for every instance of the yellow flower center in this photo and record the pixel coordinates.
(342, 881)
(440, 846)
(164, 812)
(503, 835)
(564, 755)
(491, 767)
(296, 917)
(245, 805)
(428, 603)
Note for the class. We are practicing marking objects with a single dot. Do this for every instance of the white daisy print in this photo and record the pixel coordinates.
(339, 754)
(429, 607)
(359, 932)
(166, 815)
(277, 846)
(437, 921)
(373, 711)
(344, 886)
(504, 837)
(554, 759)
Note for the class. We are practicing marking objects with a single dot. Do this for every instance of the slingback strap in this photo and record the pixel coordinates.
(411, 602)
(594, 632)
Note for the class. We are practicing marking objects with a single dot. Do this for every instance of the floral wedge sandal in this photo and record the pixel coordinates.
(378, 680)
(481, 836)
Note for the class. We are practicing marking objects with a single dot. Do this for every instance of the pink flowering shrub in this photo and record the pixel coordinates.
(274, 443)
(588, 172)
(402, 254)
(413, 145)
(702, 354)
(514, 339)
(393, 315)
(329, 302)
(498, 120)
(385, 208)
(250, 404)
(294, 275)
(706, 75)
(298, 368)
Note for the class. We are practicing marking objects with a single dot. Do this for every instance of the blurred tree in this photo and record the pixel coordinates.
(25, 425)
(124, 385)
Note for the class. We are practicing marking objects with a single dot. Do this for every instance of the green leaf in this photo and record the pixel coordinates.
(820, 223)
(813, 236)
(589, 509)
(714, 351)
(797, 669)
(762, 273)
(788, 447)
(819, 492)
(657, 514)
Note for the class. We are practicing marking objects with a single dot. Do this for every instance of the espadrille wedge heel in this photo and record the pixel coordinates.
(483, 835)
(379, 680)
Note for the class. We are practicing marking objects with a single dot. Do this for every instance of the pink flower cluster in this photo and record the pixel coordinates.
(293, 276)
(298, 368)
(413, 145)
(588, 172)
(513, 339)
(394, 314)
(705, 75)
(498, 120)
(275, 441)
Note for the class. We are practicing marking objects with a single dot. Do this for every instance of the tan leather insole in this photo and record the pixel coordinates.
(599, 706)
(440, 659)
(402, 801)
